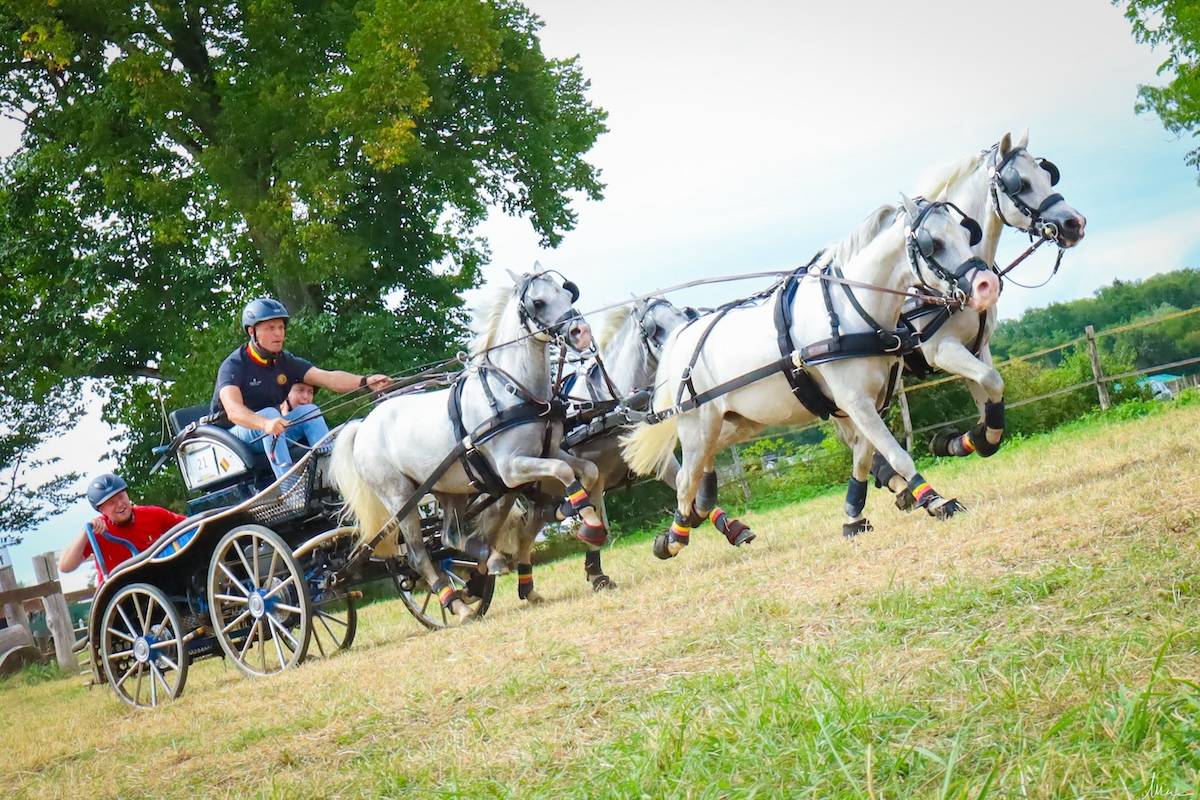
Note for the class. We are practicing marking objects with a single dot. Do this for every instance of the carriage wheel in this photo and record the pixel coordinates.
(334, 624)
(475, 587)
(142, 646)
(261, 612)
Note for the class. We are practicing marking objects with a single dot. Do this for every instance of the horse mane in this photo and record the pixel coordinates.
(942, 179)
(487, 318)
(611, 324)
(842, 251)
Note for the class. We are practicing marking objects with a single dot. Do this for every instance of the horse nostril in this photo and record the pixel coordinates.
(1072, 224)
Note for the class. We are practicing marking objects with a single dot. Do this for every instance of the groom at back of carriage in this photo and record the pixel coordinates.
(254, 381)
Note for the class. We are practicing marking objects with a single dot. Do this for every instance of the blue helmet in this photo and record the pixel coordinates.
(261, 310)
(103, 487)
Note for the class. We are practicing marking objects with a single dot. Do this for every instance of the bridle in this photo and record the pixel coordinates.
(922, 246)
(1003, 177)
(557, 328)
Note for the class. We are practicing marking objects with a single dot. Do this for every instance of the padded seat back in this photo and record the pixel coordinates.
(182, 417)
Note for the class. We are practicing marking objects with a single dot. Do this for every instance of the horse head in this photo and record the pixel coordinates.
(1023, 193)
(939, 239)
(545, 302)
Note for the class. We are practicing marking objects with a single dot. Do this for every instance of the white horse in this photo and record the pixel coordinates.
(630, 341)
(1003, 186)
(913, 250)
(379, 464)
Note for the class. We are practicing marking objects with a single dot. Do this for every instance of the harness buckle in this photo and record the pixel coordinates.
(686, 375)
(797, 360)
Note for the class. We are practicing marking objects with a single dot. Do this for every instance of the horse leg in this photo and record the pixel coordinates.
(592, 567)
(698, 438)
(519, 470)
(394, 496)
(861, 411)
(856, 491)
(987, 387)
(736, 532)
(534, 521)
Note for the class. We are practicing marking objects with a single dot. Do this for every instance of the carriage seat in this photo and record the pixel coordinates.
(251, 454)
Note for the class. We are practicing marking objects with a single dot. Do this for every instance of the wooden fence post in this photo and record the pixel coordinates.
(1101, 386)
(741, 473)
(58, 616)
(13, 612)
(908, 433)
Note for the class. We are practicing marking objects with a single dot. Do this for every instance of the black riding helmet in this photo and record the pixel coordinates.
(103, 487)
(263, 309)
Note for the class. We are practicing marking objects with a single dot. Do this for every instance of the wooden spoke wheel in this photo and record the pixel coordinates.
(334, 623)
(258, 600)
(142, 646)
(475, 589)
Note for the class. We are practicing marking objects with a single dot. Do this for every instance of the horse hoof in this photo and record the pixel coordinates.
(939, 445)
(853, 529)
(739, 534)
(946, 509)
(662, 546)
(602, 582)
(534, 599)
(592, 535)
(905, 501)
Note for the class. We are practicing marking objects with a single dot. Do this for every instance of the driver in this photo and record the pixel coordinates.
(256, 379)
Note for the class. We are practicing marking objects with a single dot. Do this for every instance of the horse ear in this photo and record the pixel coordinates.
(1005, 145)
(515, 277)
(1024, 140)
(538, 269)
(639, 305)
(910, 207)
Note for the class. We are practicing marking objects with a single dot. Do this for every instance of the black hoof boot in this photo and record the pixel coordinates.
(662, 546)
(939, 445)
(948, 509)
(601, 582)
(852, 529)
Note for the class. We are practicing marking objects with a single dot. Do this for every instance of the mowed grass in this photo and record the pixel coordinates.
(1045, 645)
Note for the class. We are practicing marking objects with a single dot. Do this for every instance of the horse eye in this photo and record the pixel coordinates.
(538, 305)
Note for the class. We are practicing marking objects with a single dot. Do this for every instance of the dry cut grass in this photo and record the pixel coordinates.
(1002, 652)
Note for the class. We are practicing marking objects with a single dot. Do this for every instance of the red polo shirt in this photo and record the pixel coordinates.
(148, 523)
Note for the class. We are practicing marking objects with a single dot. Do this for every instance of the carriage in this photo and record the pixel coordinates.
(261, 573)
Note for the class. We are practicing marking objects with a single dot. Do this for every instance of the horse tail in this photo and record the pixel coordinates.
(360, 499)
(648, 449)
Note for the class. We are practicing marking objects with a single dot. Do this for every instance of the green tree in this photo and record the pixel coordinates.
(24, 423)
(179, 157)
(1173, 25)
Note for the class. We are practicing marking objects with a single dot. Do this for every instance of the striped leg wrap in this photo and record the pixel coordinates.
(524, 580)
(680, 533)
(923, 494)
(577, 496)
(446, 593)
(735, 532)
(965, 444)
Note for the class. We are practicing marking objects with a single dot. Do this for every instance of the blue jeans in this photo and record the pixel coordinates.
(311, 430)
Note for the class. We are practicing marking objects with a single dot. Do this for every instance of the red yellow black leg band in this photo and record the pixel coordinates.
(967, 445)
(524, 580)
(446, 595)
(577, 496)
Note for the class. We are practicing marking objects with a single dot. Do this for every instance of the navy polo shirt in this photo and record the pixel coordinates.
(263, 385)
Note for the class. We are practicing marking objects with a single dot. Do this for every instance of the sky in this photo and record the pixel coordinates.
(745, 136)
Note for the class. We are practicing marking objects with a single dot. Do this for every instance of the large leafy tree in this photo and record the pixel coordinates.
(179, 157)
(1173, 26)
(25, 422)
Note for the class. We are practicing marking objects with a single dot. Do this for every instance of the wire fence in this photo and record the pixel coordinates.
(737, 464)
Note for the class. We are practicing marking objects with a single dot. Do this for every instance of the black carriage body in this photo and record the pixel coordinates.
(178, 563)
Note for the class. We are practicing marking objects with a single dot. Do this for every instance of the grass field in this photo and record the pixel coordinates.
(1045, 645)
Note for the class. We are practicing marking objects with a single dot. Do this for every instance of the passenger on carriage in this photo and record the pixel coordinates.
(120, 532)
(256, 381)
